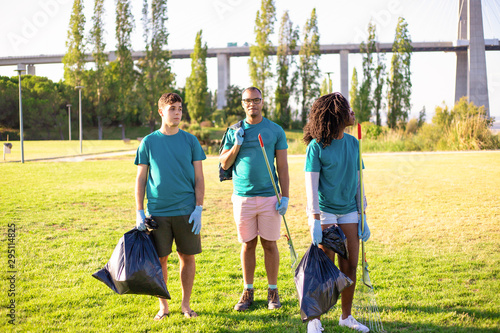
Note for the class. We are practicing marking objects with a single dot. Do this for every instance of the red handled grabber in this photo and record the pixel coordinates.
(293, 254)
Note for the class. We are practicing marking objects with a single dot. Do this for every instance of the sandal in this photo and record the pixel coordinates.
(162, 316)
(190, 314)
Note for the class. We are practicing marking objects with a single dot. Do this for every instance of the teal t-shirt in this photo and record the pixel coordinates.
(171, 181)
(250, 174)
(338, 166)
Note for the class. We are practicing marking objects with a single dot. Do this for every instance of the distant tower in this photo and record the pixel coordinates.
(471, 79)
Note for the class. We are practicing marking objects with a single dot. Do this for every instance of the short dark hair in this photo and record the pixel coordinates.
(251, 88)
(167, 99)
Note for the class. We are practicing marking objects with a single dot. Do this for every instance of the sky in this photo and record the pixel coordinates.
(34, 27)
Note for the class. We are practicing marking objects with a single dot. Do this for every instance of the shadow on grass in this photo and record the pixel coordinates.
(281, 321)
(457, 312)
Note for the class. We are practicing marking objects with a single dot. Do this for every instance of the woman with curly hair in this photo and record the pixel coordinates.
(333, 189)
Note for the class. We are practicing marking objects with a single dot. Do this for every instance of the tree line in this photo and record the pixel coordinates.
(121, 92)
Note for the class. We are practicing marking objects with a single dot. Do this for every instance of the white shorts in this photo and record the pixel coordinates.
(329, 218)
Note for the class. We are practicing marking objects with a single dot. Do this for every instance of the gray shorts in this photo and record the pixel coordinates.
(178, 228)
(329, 218)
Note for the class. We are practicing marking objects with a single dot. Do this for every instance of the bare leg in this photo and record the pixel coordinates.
(348, 267)
(187, 271)
(248, 260)
(271, 260)
(163, 301)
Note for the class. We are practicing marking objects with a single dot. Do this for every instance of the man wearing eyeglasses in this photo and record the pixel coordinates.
(255, 206)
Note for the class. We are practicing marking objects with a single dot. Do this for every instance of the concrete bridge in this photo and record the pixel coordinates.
(470, 47)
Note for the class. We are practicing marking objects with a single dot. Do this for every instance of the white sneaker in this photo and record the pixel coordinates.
(314, 326)
(353, 323)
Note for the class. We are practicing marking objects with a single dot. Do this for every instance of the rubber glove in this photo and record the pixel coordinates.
(366, 234)
(139, 220)
(196, 217)
(316, 231)
(283, 206)
(238, 136)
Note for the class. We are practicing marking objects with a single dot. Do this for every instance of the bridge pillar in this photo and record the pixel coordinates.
(344, 73)
(477, 86)
(462, 56)
(31, 69)
(223, 79)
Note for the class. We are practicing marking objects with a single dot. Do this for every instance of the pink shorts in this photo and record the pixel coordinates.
(256, 216)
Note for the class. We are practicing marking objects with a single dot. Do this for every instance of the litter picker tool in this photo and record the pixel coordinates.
(364, 264)
(293, 254)
(369, 313)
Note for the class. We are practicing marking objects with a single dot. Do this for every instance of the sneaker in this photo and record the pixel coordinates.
(245, 301)
(353, 323)
(273, 299)
(314, 326)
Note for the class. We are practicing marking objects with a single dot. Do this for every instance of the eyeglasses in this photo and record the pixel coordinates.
(252, 100)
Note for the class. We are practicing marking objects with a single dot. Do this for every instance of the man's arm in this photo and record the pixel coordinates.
(228, 156)
(282, 168)
(199, 182)
(140, 185)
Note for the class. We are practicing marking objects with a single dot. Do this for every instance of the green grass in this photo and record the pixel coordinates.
(434, 252)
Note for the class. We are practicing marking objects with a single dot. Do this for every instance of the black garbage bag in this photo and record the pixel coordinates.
(319, 283)
(335, 240)
(134, 267)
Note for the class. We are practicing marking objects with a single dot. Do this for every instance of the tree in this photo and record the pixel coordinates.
(285, 86)
(421, 117)
(124, 69)
(309, 69)
(379, 87)
(233, 106)
(196, 84)
(9, 102)
(399, 94)
(259, 61)
(96, 82)
(354, 93)
(324, 89)
(74, 59)
(43, 106)
(365, 100)
(156, 75)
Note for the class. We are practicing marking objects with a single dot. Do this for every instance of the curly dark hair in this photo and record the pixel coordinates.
(328, 117)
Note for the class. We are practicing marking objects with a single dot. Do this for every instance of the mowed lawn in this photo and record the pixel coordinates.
(434, 252)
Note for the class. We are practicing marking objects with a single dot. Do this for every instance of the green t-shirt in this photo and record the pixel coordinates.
(250, 174)
(171, 181)
(338, 166)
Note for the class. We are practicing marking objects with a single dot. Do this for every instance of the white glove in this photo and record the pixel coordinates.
(238, 136)
(139, 220)
(316, 231)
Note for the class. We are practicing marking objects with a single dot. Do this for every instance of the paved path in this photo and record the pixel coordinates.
(81, 158)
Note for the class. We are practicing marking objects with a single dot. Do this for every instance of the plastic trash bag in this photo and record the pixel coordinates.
(319, 283)
(335, 240)
(134, 267)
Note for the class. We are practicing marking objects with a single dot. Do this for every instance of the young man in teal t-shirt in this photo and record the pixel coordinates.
(255, 206)
(169, 170)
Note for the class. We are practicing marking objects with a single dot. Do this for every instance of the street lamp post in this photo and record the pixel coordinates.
(69, 120)
(21, 68)
(80, 114)
(329, 82)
